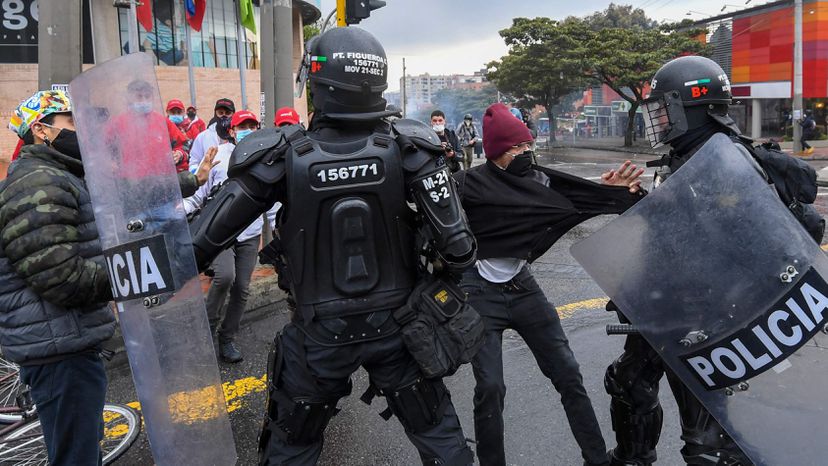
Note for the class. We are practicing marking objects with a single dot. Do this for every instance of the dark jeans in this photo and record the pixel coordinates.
(521, 305)
(233, 269)
(69, 396)
(803, 140)
(322, 373)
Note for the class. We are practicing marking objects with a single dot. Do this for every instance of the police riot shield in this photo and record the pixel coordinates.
(147, 246)
(725, 284)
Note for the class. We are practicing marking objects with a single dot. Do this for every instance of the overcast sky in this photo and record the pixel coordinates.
(461, 36)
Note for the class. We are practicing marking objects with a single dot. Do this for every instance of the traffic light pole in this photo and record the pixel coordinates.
(59, 42)
(267, 60)
(797, 78)
(284, 69)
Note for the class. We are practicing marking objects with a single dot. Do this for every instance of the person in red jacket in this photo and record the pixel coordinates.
(196, 125)
(180, 142)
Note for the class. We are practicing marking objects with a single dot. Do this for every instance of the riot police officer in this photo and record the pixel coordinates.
(688, 105)
(346, 235)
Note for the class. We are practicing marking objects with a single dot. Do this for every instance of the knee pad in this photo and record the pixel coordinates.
(296, 421)
(632, 382)
(419, 406)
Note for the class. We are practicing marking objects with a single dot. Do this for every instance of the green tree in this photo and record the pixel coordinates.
(620, 16)
(624, 49)
(543, 63)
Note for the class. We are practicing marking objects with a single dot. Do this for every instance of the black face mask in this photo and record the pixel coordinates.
(521, 164)
(66, 143)
(191, 115)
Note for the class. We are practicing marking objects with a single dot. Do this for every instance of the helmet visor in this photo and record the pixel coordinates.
(656, 120)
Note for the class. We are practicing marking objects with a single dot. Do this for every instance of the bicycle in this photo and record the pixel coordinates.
(21, 442)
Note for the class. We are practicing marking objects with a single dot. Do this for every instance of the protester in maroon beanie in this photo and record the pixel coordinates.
(517, 211)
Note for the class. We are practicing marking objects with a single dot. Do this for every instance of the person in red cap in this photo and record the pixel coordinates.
(175, 113)
(196, 125)
(286, 116)
(517, 211)
(233, 268)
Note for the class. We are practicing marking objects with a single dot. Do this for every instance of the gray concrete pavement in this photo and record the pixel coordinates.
(537, 432)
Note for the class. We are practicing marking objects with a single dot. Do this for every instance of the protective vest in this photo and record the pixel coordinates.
(348, 236)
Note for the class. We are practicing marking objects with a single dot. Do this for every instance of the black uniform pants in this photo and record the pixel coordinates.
(638, 371)
(319, 373)
(521, 305)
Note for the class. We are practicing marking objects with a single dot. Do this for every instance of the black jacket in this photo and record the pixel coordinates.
(522, 217)
(450, 137)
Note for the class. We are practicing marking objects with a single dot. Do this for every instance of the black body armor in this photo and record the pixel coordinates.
(348, 236)
(347, 232)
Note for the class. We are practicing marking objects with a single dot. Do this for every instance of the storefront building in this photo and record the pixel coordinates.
(755, 46)
(213, 52)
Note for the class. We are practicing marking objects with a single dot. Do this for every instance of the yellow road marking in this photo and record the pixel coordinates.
(192, 406)
(567, 310)
(824, 247)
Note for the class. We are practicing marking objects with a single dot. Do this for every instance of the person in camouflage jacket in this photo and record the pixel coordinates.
(54, 286)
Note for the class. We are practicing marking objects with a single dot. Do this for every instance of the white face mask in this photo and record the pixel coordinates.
(438, 128)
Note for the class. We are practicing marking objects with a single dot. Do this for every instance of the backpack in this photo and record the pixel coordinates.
(795, 182)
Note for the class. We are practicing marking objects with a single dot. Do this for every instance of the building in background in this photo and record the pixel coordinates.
(213, 52)
(755, 47)
(421, 89)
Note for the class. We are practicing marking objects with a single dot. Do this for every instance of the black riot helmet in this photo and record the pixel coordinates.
(348, 72)
(687, 93)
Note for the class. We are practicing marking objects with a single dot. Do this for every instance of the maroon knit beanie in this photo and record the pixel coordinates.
(501, 131)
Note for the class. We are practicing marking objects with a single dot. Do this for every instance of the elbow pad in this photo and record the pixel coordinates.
(221, 220)
(435, 194)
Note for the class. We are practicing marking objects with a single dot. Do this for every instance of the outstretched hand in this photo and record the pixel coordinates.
(207, 164)
(626, 175)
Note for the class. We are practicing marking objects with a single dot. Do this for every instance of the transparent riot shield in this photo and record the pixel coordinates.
(148, 250)
(726, 285)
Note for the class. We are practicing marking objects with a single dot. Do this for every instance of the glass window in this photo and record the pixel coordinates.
(213, 46)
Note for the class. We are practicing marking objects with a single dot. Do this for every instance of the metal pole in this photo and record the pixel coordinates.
(190, 75)
(267, 69)
(284, 69)
(241, 59)
(132, 27)
(404, 97)
(59, 54)
(797, 78)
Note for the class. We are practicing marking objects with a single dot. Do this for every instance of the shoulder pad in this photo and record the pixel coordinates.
(253, 147)
(418, 132)
(418, 143)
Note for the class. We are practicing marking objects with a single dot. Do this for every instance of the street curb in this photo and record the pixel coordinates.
(629, 150)
(266, 300)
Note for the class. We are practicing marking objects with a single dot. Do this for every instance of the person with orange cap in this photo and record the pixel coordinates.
(517, 211)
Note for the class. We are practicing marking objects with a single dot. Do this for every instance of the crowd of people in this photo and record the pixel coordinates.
(358, 295)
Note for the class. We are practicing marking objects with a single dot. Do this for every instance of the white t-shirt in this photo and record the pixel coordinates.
(205, 140)
(217, 176)
(500, 269)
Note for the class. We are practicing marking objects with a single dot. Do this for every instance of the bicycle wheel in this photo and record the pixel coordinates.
(122, 425)
(25, 446)
(10, 387)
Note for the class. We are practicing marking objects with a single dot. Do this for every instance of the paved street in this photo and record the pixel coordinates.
(537, 432)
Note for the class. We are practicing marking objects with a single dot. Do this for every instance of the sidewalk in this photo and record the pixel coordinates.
(266, 299)
(615, 144)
